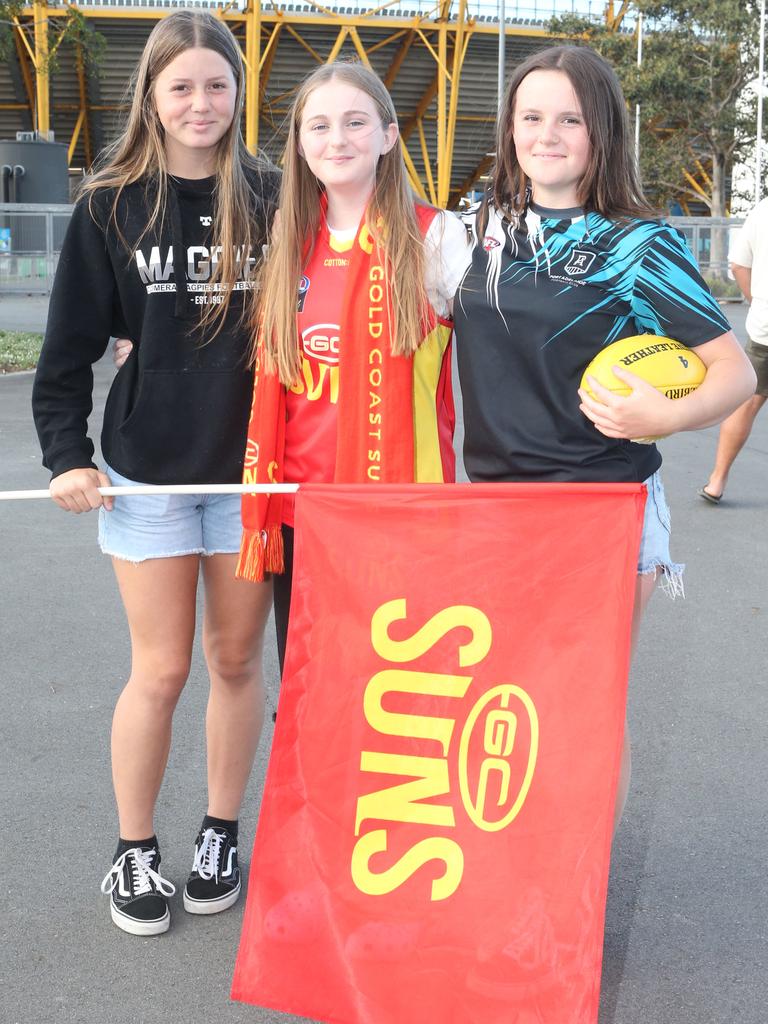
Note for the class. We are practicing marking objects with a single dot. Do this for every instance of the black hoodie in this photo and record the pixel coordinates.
(177, 411)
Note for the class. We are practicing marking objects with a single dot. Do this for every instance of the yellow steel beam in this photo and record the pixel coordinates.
(442, 128)
(358, 44)
(268, 53)
(427, 167)
(86, 125)
(22, 45)
(273, 16)
(292, 32)
(694, 184)
(704, 175)
(252, 61)
(59, 40)
(387, 41)
(23, 36)
(412, 172)
(440, 61)
(75, 135)
(42, 85)
(336, 48)
(459, 50)
(265, 70)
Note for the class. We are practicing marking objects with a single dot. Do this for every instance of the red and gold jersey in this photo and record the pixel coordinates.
(312, 401)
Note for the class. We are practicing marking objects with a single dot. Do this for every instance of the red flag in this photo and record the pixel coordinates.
(435, 830)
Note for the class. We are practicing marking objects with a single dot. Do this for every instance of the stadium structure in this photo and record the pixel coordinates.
(439, 60)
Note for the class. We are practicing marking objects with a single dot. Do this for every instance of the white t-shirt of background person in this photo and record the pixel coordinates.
(749, 248)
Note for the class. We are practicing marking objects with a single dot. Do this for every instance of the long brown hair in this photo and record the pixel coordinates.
(139, 152)
(391, 205)
(610, 184)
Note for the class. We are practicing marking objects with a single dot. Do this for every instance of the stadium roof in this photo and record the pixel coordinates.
(439, 60)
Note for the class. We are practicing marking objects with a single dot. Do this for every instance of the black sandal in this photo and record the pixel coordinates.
(713, 499)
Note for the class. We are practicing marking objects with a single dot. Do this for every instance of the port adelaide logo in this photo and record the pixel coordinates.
(579, 263)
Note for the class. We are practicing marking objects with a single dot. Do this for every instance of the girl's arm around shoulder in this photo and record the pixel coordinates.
(448, 253)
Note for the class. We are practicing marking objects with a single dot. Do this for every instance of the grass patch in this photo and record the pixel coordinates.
(19, 350)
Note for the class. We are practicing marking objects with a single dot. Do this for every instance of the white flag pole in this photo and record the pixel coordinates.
(167, 489)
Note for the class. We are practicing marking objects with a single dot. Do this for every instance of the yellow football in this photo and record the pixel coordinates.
(668, 365)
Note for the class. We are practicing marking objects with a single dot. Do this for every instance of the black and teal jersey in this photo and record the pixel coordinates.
(539, 300)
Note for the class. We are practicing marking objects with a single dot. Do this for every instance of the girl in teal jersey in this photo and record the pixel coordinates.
(567, 258)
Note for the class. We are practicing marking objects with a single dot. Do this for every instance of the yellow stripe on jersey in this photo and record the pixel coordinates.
(426, 375)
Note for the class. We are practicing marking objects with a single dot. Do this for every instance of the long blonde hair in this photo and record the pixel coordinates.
(390, 218)
(139, 152)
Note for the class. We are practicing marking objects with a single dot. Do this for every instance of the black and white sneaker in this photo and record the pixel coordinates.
(214, 883)
(138, 893)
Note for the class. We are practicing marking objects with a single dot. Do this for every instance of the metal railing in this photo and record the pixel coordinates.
(31, 236)
(708, 239)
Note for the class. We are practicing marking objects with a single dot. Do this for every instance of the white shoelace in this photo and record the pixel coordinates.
(208, 855)
(143, 874)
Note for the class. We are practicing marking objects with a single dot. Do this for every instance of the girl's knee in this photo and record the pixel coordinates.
(160, 682)
(233, 664)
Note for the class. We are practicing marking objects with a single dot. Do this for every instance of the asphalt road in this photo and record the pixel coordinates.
(686, 925)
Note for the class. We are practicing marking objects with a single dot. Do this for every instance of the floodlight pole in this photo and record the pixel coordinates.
(502, 52)
(760, 88)
(637, 105)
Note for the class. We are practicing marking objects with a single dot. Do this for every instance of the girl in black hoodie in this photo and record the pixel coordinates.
(163, 247)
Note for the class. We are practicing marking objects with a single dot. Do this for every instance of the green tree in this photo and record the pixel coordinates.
(698, 57)
(72, 27)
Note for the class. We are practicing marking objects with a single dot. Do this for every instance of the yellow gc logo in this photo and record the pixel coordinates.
(494, 798)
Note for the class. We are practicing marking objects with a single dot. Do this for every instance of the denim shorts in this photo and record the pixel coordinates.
(168, 525)
(654, 544)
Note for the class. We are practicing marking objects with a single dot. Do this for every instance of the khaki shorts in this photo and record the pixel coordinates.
(758, 356)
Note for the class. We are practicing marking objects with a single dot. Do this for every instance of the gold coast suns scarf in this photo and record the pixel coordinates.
(375, 428)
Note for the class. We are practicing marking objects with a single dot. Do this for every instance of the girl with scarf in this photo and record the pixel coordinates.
(163, 247)
(352, 366)
(567, 257)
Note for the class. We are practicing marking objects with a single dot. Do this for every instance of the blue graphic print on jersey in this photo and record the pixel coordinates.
(642, 271)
